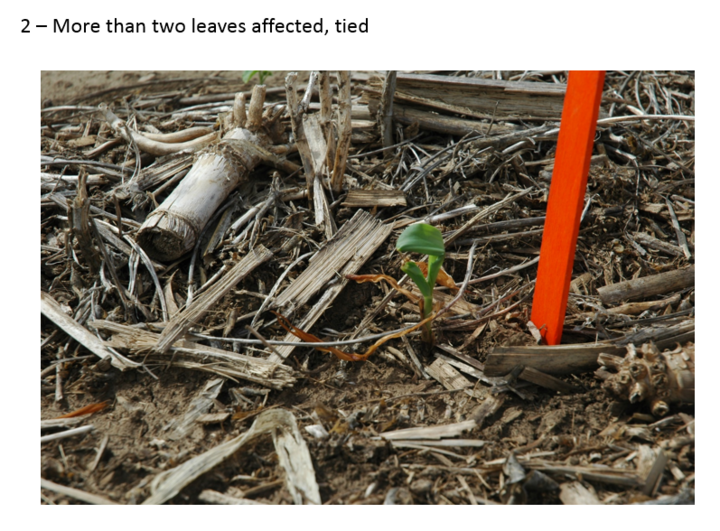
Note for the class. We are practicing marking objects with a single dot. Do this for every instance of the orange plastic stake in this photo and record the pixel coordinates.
(565, 202)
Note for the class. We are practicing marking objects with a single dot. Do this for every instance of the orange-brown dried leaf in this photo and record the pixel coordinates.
(341, 427)
(92, 408)
(240, 415)
(325, 414)
(309, 338)
(390, 280)
(387, 425)
(443, 278)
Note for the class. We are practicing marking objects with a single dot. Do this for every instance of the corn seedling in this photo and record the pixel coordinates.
(262, 74)
(425, 239)
(419, 238)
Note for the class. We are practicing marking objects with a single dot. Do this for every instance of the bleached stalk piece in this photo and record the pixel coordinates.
(575, 493)
(296, 121)
(374, 198)
(218, 498)
(326, 118)
(194, 356)
(318, 151)
(480, 98)
(636, 308)
(292, 451)
(344, 254)
(328, 262)
(75, 493)
(317, 144)
(385, 113)
(440, 443)
(61, 423)
(431, 432)
(657, 378)
(199, 405)
(173, 228)
(179, 324)
(188, 141)
(648, 286)
(447, 375)
(51, 309)
(294, 458)
(68, 433)
(180, 136)
(344, 131)
(323, 216)
(568, 359)
(255, 109)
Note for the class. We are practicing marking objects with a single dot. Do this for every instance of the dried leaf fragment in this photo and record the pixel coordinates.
(92, 408)
(390, 280)
(443, 278)
(309, 338)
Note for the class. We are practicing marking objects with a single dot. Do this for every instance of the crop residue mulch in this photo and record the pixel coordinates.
(414, 424)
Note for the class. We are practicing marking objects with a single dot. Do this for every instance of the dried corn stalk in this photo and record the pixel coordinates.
(293, 457)
(173, 228)
(194, 356)
(657, 378)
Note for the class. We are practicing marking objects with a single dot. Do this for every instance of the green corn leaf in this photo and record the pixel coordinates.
(422, 238)
(412, 270)
(248, 75)
(262, 75)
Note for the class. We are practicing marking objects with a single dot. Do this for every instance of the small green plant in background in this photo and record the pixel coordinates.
(262, 75)
(425, 239)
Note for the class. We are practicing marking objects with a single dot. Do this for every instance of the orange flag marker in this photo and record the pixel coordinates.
(565, 202)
